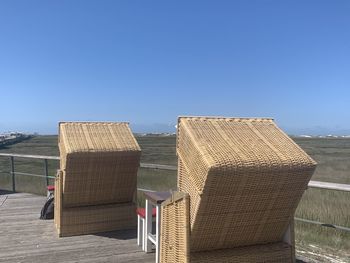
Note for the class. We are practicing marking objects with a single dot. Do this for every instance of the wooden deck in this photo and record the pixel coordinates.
(26, 238)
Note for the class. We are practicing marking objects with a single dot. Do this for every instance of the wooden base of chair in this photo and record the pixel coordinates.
(275, 252)
(95, 219)
(82, 220)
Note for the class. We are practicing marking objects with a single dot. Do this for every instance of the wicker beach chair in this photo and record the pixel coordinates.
(96, 183)
(240, 181)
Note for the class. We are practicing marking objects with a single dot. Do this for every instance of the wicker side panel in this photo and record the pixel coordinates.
(95, 219)
(274, 253)
(100, 178)
(196, 163)
(248, 212)
(174, 240)
(186, 185)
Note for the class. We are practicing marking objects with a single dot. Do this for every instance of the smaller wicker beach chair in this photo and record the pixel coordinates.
(240, 181)
(96, 183)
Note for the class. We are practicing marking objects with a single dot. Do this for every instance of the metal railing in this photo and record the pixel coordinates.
(312, 184)
(13, 173)
(46, 175)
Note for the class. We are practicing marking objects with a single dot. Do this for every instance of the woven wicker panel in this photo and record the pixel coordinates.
(95, 219)
(99, 163)
(245, 178)
(96, 137)
(229, 220)
(274, 253)
(174, 238)
(71, 221)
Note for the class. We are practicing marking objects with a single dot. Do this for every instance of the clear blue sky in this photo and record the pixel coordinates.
(148, 62)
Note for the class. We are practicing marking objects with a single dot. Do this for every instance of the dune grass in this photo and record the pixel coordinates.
(332, 207)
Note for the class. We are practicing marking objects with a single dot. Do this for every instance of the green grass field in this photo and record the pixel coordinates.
(332, 155)
(333, 158)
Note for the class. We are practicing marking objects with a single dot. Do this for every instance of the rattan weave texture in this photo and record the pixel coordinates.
(175, 241)
(175, 229)
(96, 184)
(245, 178)
(98, 218)
(99, 163)
(271, 253)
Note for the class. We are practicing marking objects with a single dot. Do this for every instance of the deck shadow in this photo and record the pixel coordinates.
(6, 192)
(119, 234)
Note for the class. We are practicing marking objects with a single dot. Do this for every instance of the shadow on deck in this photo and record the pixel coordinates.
(25, 238)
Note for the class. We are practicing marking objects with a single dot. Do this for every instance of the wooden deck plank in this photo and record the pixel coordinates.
(25, 238)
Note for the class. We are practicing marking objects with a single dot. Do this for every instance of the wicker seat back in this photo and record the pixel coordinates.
(245, 178)
(99, 162)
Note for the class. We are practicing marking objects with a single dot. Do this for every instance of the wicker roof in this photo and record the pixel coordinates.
(96, 137)
(241, 142)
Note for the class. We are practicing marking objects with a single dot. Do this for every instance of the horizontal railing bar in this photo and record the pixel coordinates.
(329, 186)
(343, 228)
(30, 156)
(143, 165)
(312, 184)
(158, 166)
(35, 175)
(145, 190)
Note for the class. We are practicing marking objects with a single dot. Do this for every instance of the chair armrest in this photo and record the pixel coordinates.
(175, 229)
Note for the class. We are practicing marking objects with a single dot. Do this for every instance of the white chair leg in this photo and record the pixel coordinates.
(139, 231)
(157, 233)
(143, 234)
(148, 226)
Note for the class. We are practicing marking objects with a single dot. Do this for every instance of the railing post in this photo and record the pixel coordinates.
(13, 173)
(46, 172)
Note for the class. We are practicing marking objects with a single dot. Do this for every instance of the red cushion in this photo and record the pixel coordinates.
(142, 212)
(50, 187)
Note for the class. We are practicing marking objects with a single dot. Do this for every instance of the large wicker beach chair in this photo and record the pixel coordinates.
(240, 181)
(96, 184)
